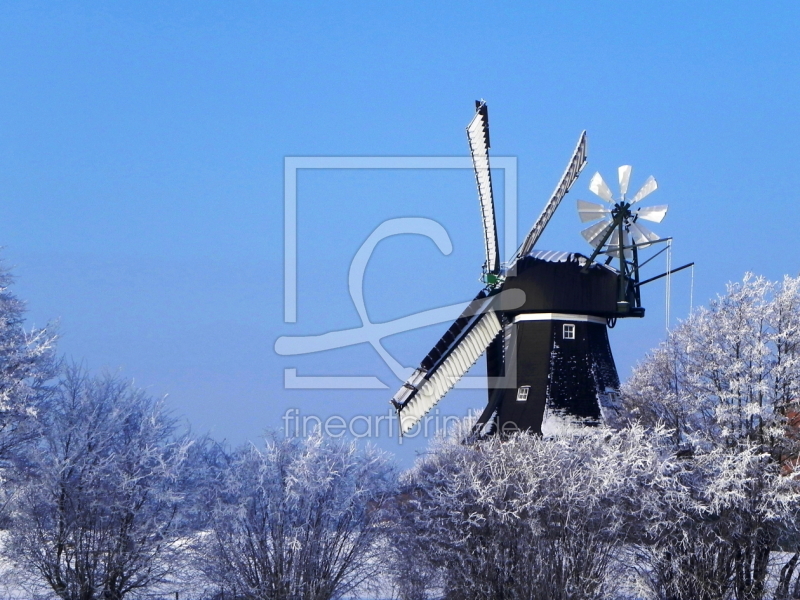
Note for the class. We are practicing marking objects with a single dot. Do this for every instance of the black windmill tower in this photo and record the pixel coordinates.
(542, 318)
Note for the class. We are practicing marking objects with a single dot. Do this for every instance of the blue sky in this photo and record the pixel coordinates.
(142, 153)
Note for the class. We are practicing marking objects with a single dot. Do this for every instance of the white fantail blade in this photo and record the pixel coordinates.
(655, 214)
(478, 136)
(589, 211)
(624, 178)
(598, 186)
(642, 235)
(612, 249)
(648, 188)
(594, 233)
(613, 239)
(613, 244)
(626, 242)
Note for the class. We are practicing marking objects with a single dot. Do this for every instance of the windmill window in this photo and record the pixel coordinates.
(522, 393)
(569, 331)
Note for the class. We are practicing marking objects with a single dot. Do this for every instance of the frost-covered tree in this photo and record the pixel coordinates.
(729, 373)
(727, 383)
(300, 519)
(96, 514)
(524, 518)
(575, 516)
(717, 516)
(27, 364)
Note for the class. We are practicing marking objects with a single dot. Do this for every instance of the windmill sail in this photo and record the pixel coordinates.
(478, 136)
(574, 168)
(448, 361)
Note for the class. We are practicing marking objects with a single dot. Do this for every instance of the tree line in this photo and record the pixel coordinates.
(690, 492)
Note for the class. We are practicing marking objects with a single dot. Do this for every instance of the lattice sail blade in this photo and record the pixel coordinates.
(648, 188)
(573, 170)
(589, 211)
(478, 136)
(594, 234)
(642, 235)
(655, 214)
(459, 359)
(598, 187)
(624, 178)
(452, 356)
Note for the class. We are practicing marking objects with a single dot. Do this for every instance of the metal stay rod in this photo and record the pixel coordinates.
(664, 249)
(691, 264)
(642, 245)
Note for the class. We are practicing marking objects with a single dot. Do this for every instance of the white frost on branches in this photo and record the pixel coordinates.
(27, 363)
(97, 512)
(730, 372)
(301, 518)
(527, 517)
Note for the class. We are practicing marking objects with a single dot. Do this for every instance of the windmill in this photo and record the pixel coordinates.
(542, 318)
